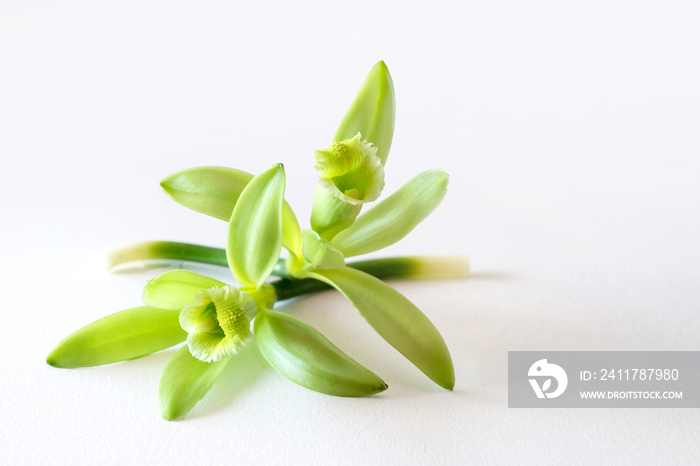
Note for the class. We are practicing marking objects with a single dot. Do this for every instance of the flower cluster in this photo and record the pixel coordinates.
(219, 320)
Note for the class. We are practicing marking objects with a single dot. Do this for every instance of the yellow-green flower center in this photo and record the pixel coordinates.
(218, 322)
(351, 170)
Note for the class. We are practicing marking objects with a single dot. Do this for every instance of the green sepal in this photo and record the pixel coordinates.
(395, 216)
(303, 355)
(185, 381)
(122, 336)
(372, 112)
(395, 319)
(214, 191)
(176, 289)
(255, 229)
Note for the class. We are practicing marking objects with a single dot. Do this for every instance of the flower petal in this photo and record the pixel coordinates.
(396, 319)
(212, 347)
(185, 381)
(128, 334)
(321, 253)
(304, 356)
(255, 229)
(210, 190)
(176, 289)
(372, 112)
(215, 191)
(394, 217)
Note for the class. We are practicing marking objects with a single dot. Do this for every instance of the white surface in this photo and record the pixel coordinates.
(571, 136)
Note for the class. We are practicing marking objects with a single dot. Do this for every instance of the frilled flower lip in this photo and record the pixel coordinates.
(351, 170)
(218, 323)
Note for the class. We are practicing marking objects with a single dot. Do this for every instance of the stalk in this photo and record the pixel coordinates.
(154, 253)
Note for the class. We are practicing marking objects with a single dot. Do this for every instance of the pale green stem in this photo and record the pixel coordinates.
(395, 268)
(413, 267)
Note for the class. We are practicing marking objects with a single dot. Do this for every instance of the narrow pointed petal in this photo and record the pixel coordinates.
(185, 381)
(255, 229)
(214, 191)
(126, 335)
(394, 217)
(304, 356)
(396, 319)
(372, 112)
(176, 289)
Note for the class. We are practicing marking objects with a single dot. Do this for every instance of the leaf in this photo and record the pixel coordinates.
(372, 112)
(176, 289)
(396, 319)
(304, 356)
(547, 383)
(394, 217)
(185, 381)
(214, 191)
(255, 229)
(128, 334)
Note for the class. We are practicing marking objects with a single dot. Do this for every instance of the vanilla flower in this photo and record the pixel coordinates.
(218, 323)
(351, 170)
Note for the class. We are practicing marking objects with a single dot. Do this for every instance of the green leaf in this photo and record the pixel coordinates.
(185, 381)
(176, 289)
(128, 334)
(304, 356)
(396, 319)
(394, 217)
(372, 112)
(214, 191)
(255, 229)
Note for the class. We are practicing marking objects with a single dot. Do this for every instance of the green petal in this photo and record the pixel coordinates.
(185, 381)
(128, 334)
(303, 355)
(215, 191)
(396, 319)
(255, 229)
(176, 289)
(321, 253)
(394, 217)
(212, 191)
(372, 112)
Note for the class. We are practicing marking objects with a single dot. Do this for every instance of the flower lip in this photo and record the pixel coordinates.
(218, 323)
(351, 170)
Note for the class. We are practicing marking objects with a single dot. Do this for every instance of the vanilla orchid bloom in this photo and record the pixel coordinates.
(351, 170)
(218, 323)
(215, 318)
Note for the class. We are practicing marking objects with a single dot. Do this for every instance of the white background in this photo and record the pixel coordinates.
(569, 129)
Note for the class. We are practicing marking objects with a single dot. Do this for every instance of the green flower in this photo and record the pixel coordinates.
(218, 323)
(351, 170)
(215, 318)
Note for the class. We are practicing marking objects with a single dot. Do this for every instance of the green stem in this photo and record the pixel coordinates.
(416, 267)
(413, 268)
(158, 251)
